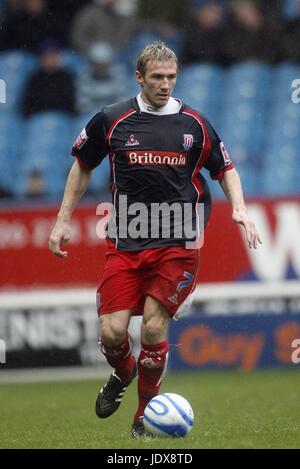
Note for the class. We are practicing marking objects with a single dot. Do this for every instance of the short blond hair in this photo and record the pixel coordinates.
(157, 51)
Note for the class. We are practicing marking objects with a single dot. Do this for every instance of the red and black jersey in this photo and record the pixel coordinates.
(154, 159)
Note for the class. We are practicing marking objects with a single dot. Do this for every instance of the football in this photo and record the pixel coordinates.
(168, 415)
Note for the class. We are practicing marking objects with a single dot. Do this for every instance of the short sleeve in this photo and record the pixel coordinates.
(90, 147)
(218, 160)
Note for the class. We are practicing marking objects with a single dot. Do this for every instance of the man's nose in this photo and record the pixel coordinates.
(165, 84)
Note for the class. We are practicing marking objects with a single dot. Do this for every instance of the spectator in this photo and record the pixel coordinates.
(50, 87)
(27, 23)
(101, 83)
(102, 20)
(35, 184)
(203, 40)
(172, 12)
(249, 35)
(62, 13)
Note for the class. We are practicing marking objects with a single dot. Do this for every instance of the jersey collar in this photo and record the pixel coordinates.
(135, 105)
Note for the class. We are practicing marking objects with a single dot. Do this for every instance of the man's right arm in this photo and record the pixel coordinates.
(76, 186)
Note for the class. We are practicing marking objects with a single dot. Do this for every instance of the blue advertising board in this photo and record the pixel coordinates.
(243, 342)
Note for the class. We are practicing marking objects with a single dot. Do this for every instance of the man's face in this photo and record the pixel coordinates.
(158, 82)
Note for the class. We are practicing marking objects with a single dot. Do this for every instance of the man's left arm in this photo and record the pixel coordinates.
(232, 188)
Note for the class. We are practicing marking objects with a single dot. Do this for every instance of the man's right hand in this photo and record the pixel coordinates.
(60, 234)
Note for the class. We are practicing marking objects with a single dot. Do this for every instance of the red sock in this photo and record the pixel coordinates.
(152, 364)
(120, 358)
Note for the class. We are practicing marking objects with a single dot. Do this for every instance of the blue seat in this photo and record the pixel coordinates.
(283, 76)
(47, 144)
(251, 179)
(132, 87)
(280, 181)
(282, 137)
(73, 61)
(244, 107)
(215, 189)
(248, 82)
(207, 74)
(80, 122)
(15, 69)
(281, 167)
(49, 129)
(256, 71)
(134, 46)
(136, 43)
(244, 129)
(199, 85)
(11, 136)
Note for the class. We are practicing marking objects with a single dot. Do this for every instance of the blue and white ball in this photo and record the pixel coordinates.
(168, 415)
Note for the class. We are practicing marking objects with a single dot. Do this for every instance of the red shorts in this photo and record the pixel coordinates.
(167, 274)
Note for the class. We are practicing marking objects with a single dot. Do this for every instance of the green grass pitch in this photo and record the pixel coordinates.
(232, 410)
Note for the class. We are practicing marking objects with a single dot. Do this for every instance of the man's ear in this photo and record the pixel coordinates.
(139, 77)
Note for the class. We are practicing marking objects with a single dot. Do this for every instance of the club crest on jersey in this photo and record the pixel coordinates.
(81, 139)
(132, 141)
(188, 141)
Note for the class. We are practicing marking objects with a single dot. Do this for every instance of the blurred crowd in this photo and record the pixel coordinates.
(220, 30)
(108, 34)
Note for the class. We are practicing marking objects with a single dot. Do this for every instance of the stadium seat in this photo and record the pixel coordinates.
(282, 143)
(73, 61)
(247, 83)
(47, 143)
(280, 181)
(49, 128)
(214, 187)
(283, 76)
(132, 87)
(79, 123)
(256, 71)
(244, 113)
(139, 41)
(199, 85)
(131, 50)
(15, 68)
(10, 146)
